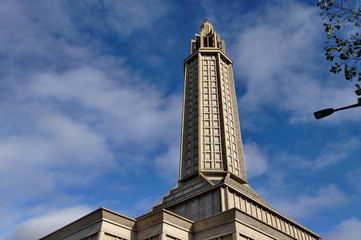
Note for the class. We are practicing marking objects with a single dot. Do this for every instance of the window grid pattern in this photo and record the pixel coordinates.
(230, 121)
(190, 135)
(212, 149)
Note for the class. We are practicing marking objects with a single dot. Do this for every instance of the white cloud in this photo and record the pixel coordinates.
(304, 206)
(256, 160)
(137, 108)
(68, 112)
(334, 153)
(38, 36)
(330, 154)
(141, 206)
(53, 36)
(124, 15)
(76, 124)
(58, 155)
(278, 60)
(354, 178)
(349, 229)
(42, 225)
(167, 164)
(59, 142)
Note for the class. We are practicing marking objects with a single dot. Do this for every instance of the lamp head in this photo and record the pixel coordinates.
(324, 113)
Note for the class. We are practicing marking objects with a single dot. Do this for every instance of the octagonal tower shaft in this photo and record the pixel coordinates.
(211, 140)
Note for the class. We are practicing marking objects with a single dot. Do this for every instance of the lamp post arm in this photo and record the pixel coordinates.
(328, 111)
(347, 107)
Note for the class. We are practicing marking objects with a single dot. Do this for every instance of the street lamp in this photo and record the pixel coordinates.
(328, 111)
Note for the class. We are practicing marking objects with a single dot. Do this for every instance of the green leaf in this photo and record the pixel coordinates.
(343, 56)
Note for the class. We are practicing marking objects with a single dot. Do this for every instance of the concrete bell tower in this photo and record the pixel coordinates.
(211, 142)
(212, 168)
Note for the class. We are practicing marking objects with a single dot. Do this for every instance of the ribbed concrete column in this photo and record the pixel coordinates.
(235, 236)
(101, 236)
(162, 236)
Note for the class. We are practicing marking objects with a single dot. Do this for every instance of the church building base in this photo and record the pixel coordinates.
(233, 224)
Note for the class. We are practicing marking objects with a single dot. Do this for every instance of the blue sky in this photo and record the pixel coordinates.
(90, 109)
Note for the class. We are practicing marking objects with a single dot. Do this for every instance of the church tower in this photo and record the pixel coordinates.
(211, 143)
(212, 199)
(212, 176)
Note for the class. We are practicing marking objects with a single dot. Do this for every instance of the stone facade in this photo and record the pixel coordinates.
(233, 224)
(212, 199)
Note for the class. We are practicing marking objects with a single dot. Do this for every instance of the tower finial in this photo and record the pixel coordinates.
(207, 38)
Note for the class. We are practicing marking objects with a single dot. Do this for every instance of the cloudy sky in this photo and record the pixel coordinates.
(90, 109)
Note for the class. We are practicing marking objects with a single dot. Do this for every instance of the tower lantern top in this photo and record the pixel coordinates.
(207, 39)
(206, 28)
